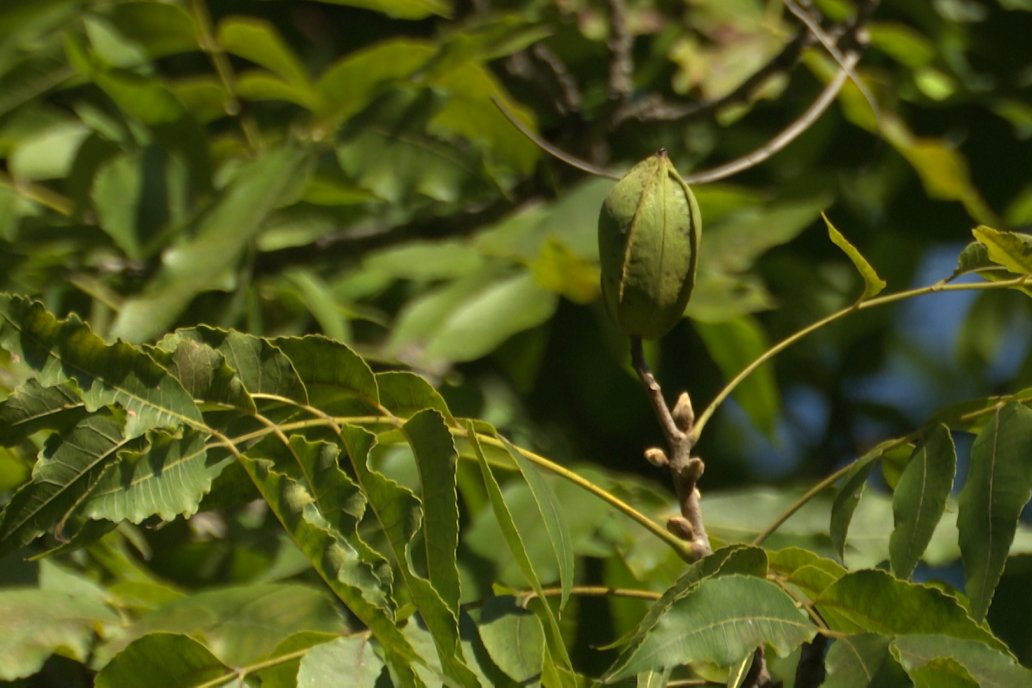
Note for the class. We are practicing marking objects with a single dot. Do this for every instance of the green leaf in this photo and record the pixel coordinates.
(1012, 250)
(997, 488)
(515, 542)
(163, 660)
(333, 559)
(942, 672)
(400, 9)
(804, 569)
(350, 656)
(107, 374)
(203, 372)
(351, 83)
(721, 621)
(734, 559)
(405, 394)
(285, 660)
(259, 42)
(260, 366)
(334, 376)
(33, 407)
(513, 637)
(991, 667)
(436, 459)
(167, 478)
(398, 513)
(239, 625)
(551, 517)
(39, 623)
(69, 469)
(734, 344)
(141, 31)
(872, 601)
(864, 661)
(847, 499)
(318, 298)
(470, 318)
(48, 153)
(873, 284)
(222, 233)
(920, 499)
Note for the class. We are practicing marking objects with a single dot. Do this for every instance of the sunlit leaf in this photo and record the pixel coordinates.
(39, 623)
(873, 284)
(350, 656)
(1012, 250)
(806, 570)
(401, 9)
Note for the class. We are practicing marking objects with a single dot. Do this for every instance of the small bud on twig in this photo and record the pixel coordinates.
(657, 457)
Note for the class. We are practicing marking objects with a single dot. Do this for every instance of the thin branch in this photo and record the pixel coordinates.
(829, 44)
(787, 136)
(38, 194)
(554, 151)
(657, 109)
(685, 470)
(788, 341)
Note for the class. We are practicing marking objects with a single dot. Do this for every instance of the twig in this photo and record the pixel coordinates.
(658, 109)
(685, 470)
(787, 136)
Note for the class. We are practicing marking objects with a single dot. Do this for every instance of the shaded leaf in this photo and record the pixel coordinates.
(873, 284)
(436, 459)
(991, 667)
(398, 512)
(336, 563)
(942, 672)
(33, 407)
(163, 660)
(513, 637)
(405, 394)
(872, 601)
(997, 488)
(203, 372)
(222, 233)
(551, 517)
(847, 499)
(721, 621)
(333, 374)
(260, 366)
(68, 470)
(863, 661)
(514, 540)
(919, 500)
(735, 343)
